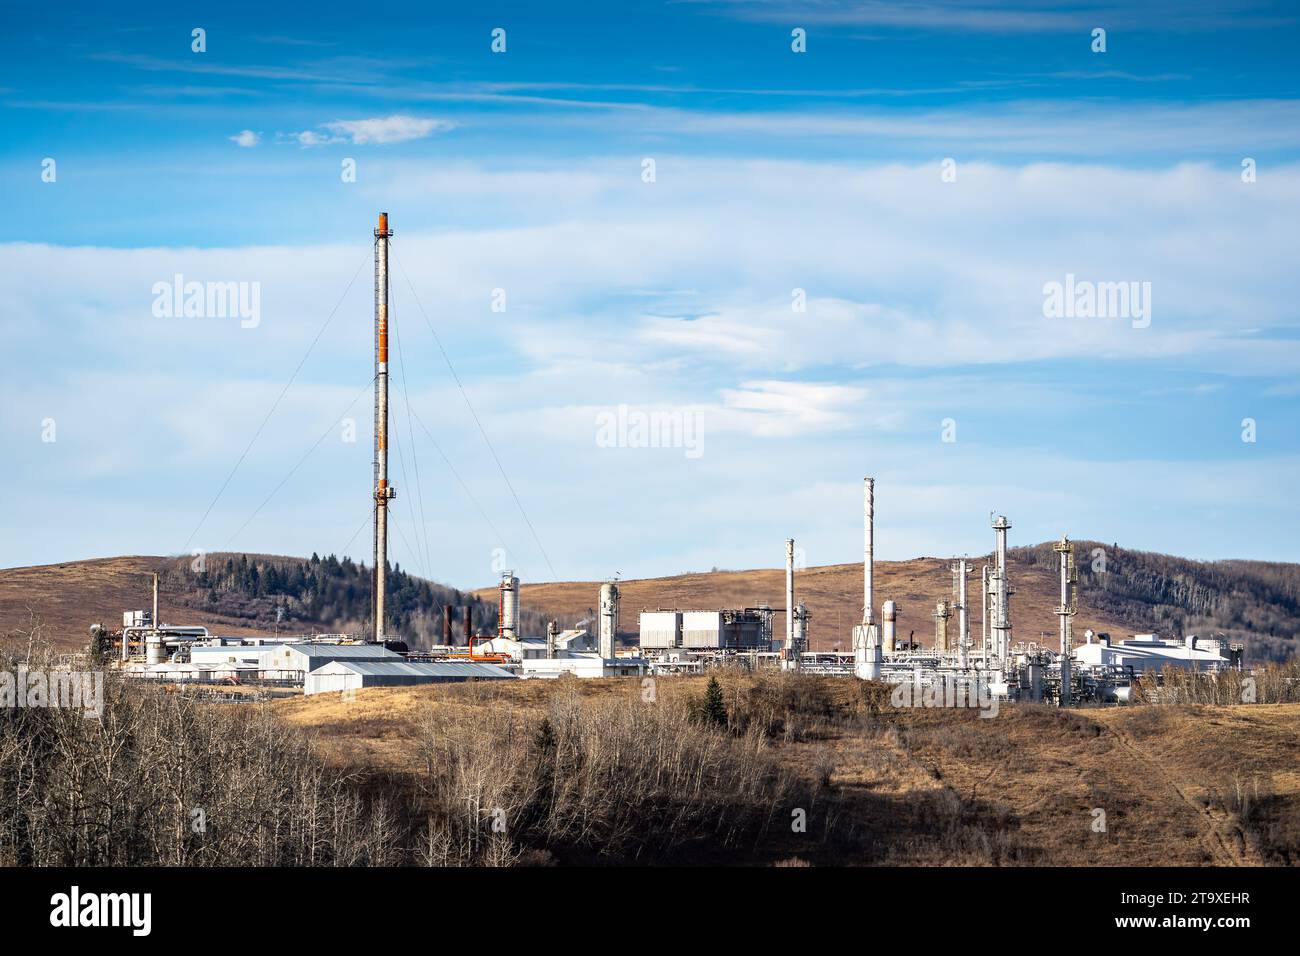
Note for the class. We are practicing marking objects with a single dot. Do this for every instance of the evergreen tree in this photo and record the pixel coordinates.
(715, 709)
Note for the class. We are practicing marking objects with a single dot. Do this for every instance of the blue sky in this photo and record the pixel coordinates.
(522, 171)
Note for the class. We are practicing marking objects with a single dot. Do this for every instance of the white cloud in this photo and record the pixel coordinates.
(902, 273)
(389, 129)
(311, 138)
(246, 138)
(772, 408)
(376, 131)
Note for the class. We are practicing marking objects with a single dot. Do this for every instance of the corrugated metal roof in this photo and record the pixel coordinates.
(344, 651)
(442, 669)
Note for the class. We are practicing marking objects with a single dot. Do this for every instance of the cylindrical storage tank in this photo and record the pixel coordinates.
(941, 615)
(153, 649)
(607, 626)
(509, 606)
(889, 636)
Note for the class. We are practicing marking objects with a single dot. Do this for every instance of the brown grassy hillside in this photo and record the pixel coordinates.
(65, 599)
(1181, 786)
(1256, 602)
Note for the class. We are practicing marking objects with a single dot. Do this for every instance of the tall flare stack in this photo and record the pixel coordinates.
(383, 492)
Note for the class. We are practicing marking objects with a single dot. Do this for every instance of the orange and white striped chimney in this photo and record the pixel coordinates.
(383, 492)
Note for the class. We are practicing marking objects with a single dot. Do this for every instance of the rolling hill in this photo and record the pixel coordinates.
(1136, 592)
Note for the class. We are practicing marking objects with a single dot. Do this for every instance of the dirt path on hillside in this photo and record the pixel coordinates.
(1220, 836)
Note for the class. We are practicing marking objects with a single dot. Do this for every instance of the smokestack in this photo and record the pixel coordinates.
(963, 617)
(866, 642)
(789, 597)
(154, 620)
(552, 631)
(868, 559)
(469, 623)
(383, 492)
(889, 632)
(446, 625)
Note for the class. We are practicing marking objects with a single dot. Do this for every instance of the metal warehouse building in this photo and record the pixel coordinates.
(342, 675)
(311, 657)
(1146, 652)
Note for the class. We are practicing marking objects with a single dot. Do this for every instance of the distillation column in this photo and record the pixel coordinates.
(791, 650)
(1068, 607)
(984, 615)
(508, 616)
(1001, 593)
(963, 618)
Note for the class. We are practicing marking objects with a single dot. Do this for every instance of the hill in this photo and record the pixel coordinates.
(1121, 592)
(1127, 592)
(233, 594)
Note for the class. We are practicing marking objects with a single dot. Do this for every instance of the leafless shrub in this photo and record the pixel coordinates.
(601, 778)
(1269, 684)
(161, 779)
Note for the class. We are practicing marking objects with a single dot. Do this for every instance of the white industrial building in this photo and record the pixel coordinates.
(312, 657)
(255, 652)
(1146, 652)
(583, 664)
(729, 629)
(201, 673)
(341, 675)
(566, 642)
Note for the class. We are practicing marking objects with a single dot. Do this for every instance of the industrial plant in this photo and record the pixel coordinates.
(674, 640)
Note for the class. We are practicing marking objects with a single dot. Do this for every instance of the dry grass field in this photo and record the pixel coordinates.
(1184, 786)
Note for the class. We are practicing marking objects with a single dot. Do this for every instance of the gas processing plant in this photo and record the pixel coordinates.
(678, 640)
